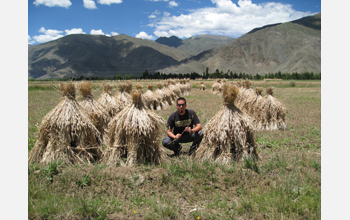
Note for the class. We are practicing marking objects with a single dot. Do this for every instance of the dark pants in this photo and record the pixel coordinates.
(185, 138)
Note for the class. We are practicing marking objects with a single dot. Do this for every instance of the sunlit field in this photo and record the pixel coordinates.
(284, 184)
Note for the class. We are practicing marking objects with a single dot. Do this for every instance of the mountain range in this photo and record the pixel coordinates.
(197, 44)
(287, 47)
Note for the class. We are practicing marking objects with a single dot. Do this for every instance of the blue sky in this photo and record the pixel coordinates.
(150, 19)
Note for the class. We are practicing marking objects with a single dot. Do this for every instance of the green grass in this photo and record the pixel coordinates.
(284, 184)
(42, 88)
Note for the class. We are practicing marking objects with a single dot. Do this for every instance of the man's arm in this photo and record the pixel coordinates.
(171, 134)
(197, 127)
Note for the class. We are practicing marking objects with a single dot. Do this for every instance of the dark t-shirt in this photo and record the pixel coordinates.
(179, 122)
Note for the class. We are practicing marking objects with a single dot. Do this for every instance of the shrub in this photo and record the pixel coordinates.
(292, 83)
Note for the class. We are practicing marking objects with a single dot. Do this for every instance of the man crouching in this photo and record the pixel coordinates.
(180, 129)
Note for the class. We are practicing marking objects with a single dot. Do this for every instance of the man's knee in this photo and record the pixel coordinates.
(198, 137)
(200, 134)
(166, 141)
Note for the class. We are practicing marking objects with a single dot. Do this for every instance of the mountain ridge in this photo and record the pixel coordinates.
(287, 47)
(196, 44)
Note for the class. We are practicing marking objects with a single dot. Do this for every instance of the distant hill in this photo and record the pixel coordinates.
(287, 47)
(197, 44)
(172, 41)
(98, 55)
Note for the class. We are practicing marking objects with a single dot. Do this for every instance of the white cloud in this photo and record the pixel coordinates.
(154, 14)
(50, 32)
(97, 32)
(144, 35)
(74, 31)
(53, 3)
(48, 35)
(173, 4)
(90, 4)
(114, 33)
(109, 2)
(226, 18)
(30, 40)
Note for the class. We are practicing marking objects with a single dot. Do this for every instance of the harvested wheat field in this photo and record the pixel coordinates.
(229, 135)
(67, 133)
(284, 183)
(133, 135)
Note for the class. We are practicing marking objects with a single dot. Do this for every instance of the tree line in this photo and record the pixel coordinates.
(205, 75)
(232, 75)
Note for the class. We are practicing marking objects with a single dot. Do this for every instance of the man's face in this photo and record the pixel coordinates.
(181, 106)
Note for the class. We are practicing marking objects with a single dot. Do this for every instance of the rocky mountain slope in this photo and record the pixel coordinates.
(196, 44)
(93, 55)
(288, 47)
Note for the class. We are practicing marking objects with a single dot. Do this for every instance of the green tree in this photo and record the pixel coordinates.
(257, 76)
(127, 76)
(145, 75)
(206, 73)
(118, 77)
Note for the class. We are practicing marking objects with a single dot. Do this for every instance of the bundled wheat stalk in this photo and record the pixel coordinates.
(188, 85)
(239, 84)
(175, 87)
(128, 88)
(185, 87)
(252, 105)
(152, 100)
(272, 113)
(170, 96)
(244, 95)
(66, 133)
(138, 87)
(108, 101)
(134, 136)
(160, 93)
(181, 87)
(98, 113)
(123, 97)
(202, 86)
(216, 87)
(229, 135)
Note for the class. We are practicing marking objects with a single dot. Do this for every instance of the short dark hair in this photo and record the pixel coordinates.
(180, 98)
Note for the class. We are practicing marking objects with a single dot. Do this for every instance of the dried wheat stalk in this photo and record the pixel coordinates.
(229, 135)
(97, 112)
(123, 97)
(134, 136)
(66, 133)
(107, 100)
(202, 86)
(272, 113)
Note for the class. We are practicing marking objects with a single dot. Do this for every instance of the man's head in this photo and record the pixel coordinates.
(181, 105)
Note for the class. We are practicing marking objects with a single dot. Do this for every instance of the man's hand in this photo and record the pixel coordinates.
(188, 129)
(177, 136)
